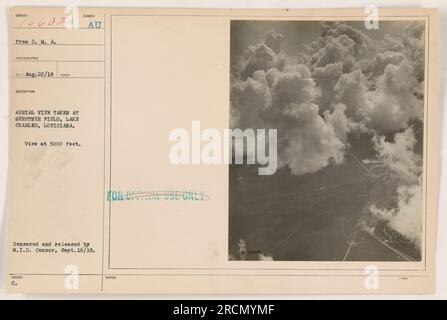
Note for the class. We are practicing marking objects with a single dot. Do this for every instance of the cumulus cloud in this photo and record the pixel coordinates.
(352, 90)
(258, 57)
(382, 60)
(248, 99)
(326, 78)
(406, 218)
(292, 85)
(339, 121)
(312, 143)
(393, 103)
(406, 167)
(340, 29)
(380, 82)
(399, 156)
(284, 100)
(389, 106)
(413, 41)
(274, 40)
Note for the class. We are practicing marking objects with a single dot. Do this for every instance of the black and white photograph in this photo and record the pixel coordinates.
(347, 101)
(270, 150)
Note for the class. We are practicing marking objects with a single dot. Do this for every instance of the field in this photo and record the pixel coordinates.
(322, 216)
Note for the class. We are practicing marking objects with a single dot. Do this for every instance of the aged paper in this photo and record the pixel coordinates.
(222, 151)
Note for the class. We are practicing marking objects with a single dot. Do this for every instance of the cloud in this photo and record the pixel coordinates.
(336, 50)
(259, 57)
(312, 143)
(414, 46)
(308, 142)
(339, 121)
(352, 90)
(389, 106)
(274, 40)
(292, 85)
(248, 99)
(340, 29)
(380, 82)
(407, 217)
(405, 166)
(283, 99)
(326, 78)
(393, 103)
(382, 60)
(399, 156)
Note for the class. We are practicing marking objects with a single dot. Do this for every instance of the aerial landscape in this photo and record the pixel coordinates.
(348, 106)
